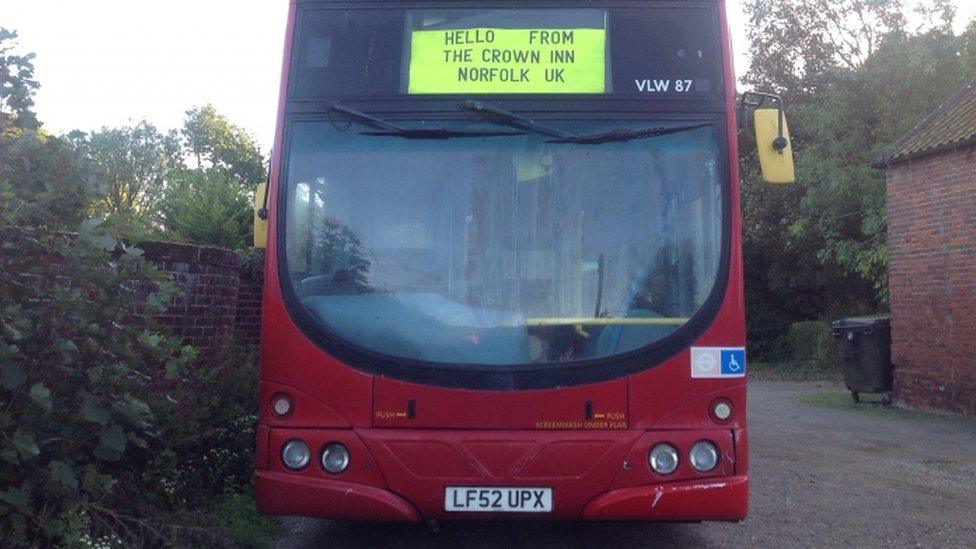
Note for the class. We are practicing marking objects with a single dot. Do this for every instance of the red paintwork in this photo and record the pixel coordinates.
(284, 494)
(439, 408)
(400, 466)
(724, 499)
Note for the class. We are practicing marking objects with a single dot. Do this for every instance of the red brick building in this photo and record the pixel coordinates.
(932, 250)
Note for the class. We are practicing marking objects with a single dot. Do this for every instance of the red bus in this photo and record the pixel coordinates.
(503, 271)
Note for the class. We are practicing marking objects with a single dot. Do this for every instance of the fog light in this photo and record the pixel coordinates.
(663, 459)
(704, 456)
(295, 455)
(335, 458)
(281, 406)
(721, 410)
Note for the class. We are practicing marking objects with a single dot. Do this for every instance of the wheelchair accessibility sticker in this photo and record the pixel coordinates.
(717, 362)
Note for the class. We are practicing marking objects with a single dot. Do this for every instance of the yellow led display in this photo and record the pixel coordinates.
(492, 60)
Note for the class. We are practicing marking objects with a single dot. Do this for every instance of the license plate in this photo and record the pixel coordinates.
(463, 499)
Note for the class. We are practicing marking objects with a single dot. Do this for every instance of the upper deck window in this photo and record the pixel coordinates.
(670, 53)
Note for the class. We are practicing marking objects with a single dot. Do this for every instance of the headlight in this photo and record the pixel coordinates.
(663, 459)
(704, 456)
(335, 458)
(295, 454)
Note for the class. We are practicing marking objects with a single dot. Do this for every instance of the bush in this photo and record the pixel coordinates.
(813, 342)
(110, 432)
(205, 207)
(82, 384)
(252, 263)
(242, 523)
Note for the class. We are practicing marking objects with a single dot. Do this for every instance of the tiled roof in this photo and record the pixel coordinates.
(952, 125)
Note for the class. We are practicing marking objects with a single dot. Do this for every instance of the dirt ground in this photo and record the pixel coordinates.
(822, 475)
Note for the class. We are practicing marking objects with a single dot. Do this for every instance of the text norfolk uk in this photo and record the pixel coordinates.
(484, 54)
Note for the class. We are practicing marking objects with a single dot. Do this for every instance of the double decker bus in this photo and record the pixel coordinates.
(503, 274)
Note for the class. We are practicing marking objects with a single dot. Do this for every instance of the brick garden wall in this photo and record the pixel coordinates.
(932, 251)
(219, 305)
(247, 321)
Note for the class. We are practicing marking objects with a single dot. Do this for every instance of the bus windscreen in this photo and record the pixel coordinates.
(514, 249)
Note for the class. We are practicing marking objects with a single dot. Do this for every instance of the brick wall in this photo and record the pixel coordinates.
(219, 304)
(247, 322)
(932, 250)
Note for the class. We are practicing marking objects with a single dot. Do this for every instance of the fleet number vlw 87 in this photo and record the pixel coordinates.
(649, 85)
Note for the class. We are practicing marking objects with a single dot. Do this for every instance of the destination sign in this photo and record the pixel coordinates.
(496, 60)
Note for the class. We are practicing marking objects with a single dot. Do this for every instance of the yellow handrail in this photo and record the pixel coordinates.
(606, 321)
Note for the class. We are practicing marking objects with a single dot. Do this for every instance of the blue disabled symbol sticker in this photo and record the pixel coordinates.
(733, 362)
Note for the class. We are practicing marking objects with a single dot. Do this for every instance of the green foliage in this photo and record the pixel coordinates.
(855, 81)
(846, 129)
(106, 432)
(219, 145)
(205, 207)
(242, 523)
(132, 165)
(82, 383)
(17, 84)
(211, 202)
(252, 263)
(814, 342)
(794, 43)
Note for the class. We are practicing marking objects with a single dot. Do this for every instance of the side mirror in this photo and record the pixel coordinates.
(773, 139)
(261, 216)
(775, 148)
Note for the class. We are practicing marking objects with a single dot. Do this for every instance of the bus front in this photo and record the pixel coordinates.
(503, 272)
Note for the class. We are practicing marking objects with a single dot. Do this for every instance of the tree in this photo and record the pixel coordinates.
(855, 80)
(848, 127)
(211, 202)
(132, 165)
(219, 145)
(205, 207)
(795, 43)
(17, 84)
(38, 172)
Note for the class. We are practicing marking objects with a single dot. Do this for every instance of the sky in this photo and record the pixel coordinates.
(114, 62)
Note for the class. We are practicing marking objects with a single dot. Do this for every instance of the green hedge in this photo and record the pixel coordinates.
(812, 342)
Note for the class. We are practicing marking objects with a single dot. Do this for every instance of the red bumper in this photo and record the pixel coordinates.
(284, 494)
(720, 499)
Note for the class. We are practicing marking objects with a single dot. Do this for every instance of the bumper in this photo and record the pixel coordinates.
(718, 499)
(284, 494)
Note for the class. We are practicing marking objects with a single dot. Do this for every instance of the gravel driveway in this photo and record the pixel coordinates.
(820, 477)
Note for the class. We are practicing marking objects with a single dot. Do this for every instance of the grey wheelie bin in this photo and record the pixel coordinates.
(866, 348)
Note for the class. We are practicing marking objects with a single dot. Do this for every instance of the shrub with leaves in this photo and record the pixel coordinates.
(107, 434)
(205, 207)
(82, 371)
(79, 384)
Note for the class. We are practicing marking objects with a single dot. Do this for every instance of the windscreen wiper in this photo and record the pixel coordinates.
(623, 134)
(394, 130)
(491, 113)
